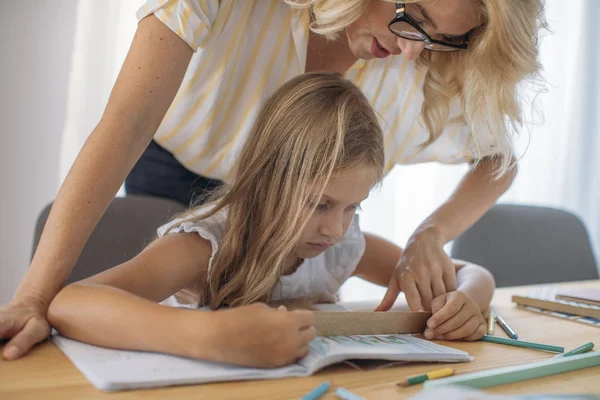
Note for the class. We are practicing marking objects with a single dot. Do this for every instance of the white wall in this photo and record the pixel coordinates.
(35, 53)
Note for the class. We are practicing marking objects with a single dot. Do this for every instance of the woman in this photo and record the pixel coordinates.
(443, 74)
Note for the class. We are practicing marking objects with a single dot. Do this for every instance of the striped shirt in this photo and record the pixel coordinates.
(243, 52)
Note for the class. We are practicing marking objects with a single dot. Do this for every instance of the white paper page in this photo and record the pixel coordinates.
(329, 350)
(111, 370)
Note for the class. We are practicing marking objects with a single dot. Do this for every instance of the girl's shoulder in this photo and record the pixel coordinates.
(210, 228)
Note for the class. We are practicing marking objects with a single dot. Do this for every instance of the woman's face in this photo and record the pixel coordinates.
(370, 37)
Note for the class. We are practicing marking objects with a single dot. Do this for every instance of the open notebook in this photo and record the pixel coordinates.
(112, 370)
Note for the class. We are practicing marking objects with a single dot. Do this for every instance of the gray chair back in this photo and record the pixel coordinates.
(127, 226)
(528, 245)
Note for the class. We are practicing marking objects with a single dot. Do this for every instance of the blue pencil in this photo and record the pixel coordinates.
(345, 394)
(317, 392)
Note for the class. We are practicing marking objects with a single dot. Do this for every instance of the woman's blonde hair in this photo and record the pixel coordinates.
(488, 78)
(314, 126)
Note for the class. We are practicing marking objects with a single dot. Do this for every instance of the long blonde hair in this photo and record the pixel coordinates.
(488, 78)
(314, 126)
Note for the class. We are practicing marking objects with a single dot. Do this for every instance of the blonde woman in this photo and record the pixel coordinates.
(443, 75)
(285, 230)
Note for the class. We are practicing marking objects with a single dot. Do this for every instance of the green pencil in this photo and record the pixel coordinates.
(578, 350)
(520, 343)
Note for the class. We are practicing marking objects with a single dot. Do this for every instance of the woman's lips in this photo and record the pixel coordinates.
(377, 50)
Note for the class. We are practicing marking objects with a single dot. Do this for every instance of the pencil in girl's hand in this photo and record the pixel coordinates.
(440, 373)
(491, 322)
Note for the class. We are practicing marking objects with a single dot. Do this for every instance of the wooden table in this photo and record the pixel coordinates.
(46, 373)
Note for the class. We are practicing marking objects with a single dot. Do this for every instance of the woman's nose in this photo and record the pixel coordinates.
(411, 48)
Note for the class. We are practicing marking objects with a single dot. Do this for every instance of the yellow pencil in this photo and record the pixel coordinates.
(491, 327)
(440, 373)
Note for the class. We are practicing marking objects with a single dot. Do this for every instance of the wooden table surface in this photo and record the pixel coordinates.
(47, 374)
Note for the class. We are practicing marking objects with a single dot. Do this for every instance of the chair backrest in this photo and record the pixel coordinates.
(527, 245)
(127, 226)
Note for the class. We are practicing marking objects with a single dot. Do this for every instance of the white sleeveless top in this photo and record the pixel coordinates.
(243, 52)
(317, 278)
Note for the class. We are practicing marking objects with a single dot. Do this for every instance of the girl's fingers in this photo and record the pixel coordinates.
(453, 322)
(450, 309)
(302, 351)
(478, 334)
(307, 335)
(464, 331)
(304, 318)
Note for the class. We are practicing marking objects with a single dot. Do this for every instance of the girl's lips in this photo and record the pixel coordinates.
(377, 50)
(320, 246)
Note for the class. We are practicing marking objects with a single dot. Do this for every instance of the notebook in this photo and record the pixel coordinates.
(589, 296)
(545, 297)
(595, 322)
(113, 370)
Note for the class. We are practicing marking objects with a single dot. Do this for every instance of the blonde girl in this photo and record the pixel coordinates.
(285, 230)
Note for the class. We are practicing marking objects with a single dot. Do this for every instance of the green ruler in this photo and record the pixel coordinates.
(517, 373)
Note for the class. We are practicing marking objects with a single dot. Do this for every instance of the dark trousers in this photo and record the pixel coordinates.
(158, 173)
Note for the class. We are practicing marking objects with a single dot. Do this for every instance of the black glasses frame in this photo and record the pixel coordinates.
(403, 16)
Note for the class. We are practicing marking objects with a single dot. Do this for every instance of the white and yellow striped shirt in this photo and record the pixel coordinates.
(245, 50)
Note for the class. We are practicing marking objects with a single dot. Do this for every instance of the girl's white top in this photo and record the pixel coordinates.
(317, 278)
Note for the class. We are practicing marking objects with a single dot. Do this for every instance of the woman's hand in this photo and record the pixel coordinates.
(260, 336)
(424, 272)
(25, 322)
(455, 316)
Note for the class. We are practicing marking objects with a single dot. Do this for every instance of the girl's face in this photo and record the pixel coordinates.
(335, 209)
(369, 36)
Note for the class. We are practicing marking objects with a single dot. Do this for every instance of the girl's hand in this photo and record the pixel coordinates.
(455, 316)
(25, 322)
(260, 336)
(424, 272)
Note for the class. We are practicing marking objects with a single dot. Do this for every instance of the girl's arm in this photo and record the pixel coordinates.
(117, 308)
(476, 282)
(146, 85)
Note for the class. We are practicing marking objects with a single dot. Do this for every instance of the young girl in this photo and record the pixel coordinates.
(285, 230)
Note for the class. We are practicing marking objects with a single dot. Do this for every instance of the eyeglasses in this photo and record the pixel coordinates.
(407, 27)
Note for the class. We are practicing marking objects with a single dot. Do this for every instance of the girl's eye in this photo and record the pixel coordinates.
(322, 207)
(354, 207)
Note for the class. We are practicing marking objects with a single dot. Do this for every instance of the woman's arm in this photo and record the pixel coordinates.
(145, 88)
(378, 261)
(456, 314)
(424, 255)
(378, 265)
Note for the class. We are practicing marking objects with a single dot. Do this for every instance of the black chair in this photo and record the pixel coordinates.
(127, 226)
